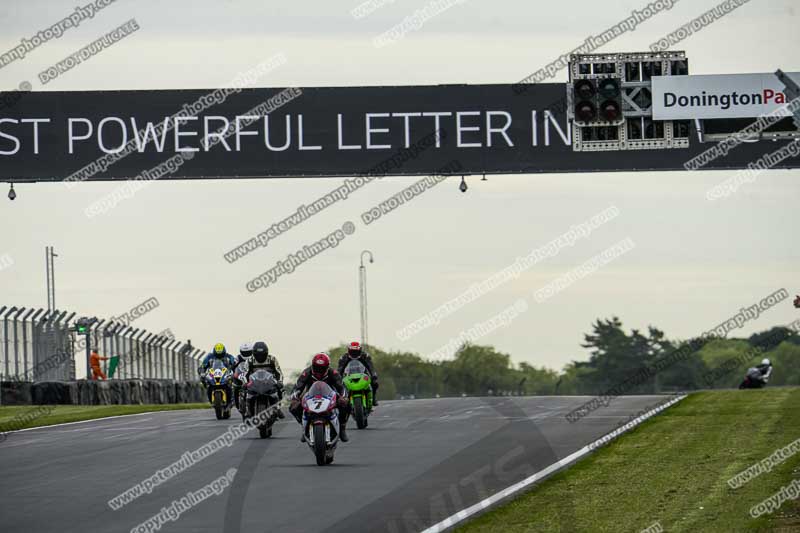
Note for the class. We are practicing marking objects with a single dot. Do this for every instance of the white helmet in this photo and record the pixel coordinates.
(246, 349)
(765, 361)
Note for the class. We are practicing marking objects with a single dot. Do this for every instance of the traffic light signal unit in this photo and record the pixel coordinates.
(610, 102)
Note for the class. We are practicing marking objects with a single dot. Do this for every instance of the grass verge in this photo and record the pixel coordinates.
(672, 469)
(28, 416)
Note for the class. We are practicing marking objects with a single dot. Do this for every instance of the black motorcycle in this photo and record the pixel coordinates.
(262, 396)
(239, 393)
(754, 379)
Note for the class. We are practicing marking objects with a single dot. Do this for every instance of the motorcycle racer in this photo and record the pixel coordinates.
(320, 370)
(356, 352)
(261, 358)
(245, 352)
(221, 354)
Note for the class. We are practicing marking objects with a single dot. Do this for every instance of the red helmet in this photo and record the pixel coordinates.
(320, 365)
(354, 350)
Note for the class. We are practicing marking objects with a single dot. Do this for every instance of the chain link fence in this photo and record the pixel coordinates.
(42, 345)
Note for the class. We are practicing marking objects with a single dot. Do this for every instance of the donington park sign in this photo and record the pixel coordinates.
(719, 96)
(323, 131)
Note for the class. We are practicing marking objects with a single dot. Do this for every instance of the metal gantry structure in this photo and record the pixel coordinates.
(611, 97)
(42, 345)
(792, 90)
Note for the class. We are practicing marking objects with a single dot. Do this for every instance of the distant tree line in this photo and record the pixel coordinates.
(633, 363)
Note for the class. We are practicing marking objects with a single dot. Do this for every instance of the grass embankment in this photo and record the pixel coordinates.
(673, 469)
(28, 416)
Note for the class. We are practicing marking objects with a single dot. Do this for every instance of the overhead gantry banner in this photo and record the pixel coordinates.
(324, 131)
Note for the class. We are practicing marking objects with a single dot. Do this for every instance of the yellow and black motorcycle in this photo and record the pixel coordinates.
(218, 379)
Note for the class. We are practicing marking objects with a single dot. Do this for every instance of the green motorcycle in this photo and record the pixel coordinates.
(357, 382)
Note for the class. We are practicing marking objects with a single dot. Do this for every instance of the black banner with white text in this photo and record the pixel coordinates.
(295, 132)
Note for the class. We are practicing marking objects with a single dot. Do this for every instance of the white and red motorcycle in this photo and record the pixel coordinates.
(321, 421)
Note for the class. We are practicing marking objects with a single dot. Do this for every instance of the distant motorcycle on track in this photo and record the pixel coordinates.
(239, 393)
(357, 381)
(758, 376)
(754, 379)
(262, 395)
(218, 379)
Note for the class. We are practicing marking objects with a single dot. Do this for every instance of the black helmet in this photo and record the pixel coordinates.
(260, 352)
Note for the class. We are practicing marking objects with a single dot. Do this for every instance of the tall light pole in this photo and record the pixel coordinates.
(362, 290)
(49, 254)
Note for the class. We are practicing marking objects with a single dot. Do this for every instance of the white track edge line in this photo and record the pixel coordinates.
(92, 420)
(508, 491)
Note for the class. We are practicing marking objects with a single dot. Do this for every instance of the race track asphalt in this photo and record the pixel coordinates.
(419, 462)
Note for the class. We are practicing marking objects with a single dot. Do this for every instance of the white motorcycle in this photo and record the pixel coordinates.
(321, 421)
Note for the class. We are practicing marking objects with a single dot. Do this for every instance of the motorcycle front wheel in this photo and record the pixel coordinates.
(218, 404)
(320, 446)
(359, 413)
(265, 428)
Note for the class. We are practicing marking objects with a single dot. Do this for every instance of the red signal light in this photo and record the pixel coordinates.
(585, 112)
(610, 111)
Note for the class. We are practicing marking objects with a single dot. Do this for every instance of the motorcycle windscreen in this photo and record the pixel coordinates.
(262, 375)
(217, 363)
(355, 367)
(319, 388)
(262, 382)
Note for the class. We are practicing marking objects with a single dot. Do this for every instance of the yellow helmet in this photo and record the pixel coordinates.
(219, 348)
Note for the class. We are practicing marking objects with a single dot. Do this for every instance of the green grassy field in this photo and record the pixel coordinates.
(673, 469)
(28, 416)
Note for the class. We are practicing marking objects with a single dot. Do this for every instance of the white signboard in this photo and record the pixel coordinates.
(718, 96)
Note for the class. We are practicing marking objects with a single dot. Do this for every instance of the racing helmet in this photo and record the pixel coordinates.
(354, 350)
(219, 348)
(320, 365)
(246, 349)
(260, 352)
(765, 361)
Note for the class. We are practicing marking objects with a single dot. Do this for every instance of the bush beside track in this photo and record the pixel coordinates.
(673, 469)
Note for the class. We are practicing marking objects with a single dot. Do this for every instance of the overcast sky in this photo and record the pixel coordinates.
(695, 262)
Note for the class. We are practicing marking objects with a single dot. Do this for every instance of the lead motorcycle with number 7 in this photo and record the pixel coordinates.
(321, 421)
